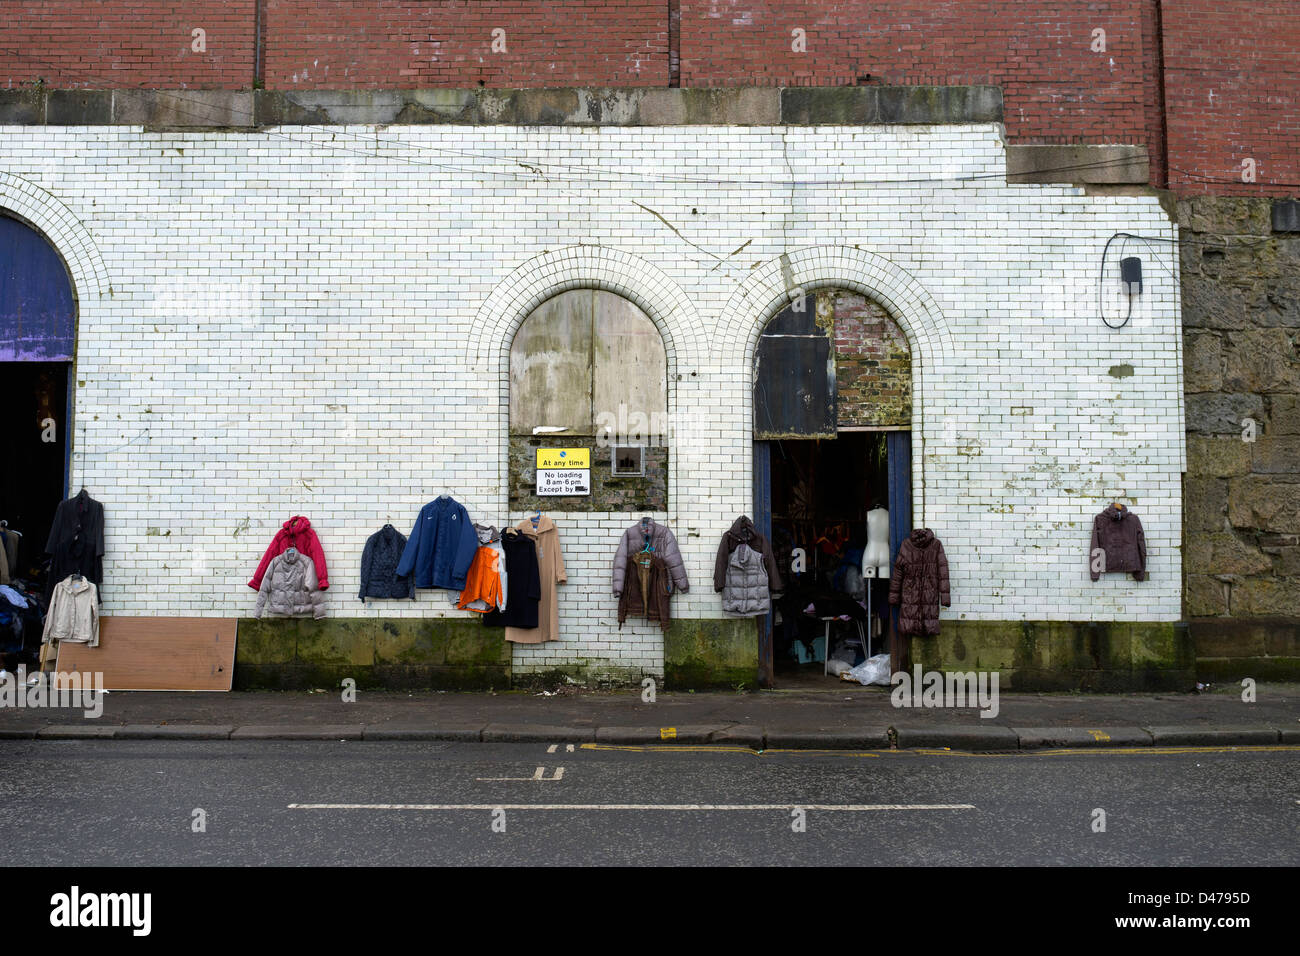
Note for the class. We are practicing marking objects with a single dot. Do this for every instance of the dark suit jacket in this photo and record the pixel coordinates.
(76, 543)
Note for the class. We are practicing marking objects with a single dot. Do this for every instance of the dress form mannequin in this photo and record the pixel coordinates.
(875, 557)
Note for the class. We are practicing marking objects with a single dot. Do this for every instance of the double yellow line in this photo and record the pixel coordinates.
(944, 752)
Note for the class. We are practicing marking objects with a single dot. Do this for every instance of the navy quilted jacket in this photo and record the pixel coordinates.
(379, 560)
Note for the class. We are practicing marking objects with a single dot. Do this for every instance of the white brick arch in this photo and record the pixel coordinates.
(776, 283)
(64, 231)
(586, 267)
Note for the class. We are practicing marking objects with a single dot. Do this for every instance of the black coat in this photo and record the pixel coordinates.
(523, 583)
(76, 541)
(379, 566)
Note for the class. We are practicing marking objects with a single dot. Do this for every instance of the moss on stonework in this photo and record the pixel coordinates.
(1065, 655)
(700, 654)
(443, 653)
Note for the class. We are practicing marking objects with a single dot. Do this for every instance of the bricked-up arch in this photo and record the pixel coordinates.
(831, 361)
(585, 267)
(775, 284)
(29, 202)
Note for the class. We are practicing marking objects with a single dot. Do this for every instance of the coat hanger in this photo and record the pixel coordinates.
(535, 519)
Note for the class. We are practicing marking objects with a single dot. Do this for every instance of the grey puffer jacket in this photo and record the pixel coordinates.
(664, 544)
(289, 588)
(745, 590)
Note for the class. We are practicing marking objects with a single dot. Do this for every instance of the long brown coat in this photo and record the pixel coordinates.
(550, 569)
(920, 583)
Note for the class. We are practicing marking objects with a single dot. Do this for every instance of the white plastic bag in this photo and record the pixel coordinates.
(874, 670)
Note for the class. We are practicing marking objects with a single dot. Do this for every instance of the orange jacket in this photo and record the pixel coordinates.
(482, 582)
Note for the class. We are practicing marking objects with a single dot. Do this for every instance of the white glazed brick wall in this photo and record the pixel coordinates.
(317, 321)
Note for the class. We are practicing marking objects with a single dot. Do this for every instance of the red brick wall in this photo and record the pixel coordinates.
(1232, 85)
(404, 44)
(1056, 89)
(126, 43)
(1231, 67)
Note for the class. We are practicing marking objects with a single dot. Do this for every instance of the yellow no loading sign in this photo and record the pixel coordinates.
(553, 458)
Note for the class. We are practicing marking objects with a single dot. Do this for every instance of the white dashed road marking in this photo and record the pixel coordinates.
(539, 774)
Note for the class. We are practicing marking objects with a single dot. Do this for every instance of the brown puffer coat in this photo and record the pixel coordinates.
(920, 583)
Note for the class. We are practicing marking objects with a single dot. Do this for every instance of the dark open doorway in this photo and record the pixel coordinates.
(35, 396)
(822, 491)
(832, 478)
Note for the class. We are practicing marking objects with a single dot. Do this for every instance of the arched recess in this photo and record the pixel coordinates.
(583, 267)
(52, 277)
(778, 282)
(29, 202)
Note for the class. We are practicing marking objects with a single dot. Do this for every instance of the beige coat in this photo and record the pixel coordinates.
(550, 569)
(74, 613)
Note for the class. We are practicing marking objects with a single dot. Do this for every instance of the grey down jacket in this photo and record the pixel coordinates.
(745, 590)
(289, 588)
(662, 540)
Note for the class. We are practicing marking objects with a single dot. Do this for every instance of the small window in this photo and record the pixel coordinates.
(627, 461)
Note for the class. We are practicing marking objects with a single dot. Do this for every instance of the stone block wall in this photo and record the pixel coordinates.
(1241, 320)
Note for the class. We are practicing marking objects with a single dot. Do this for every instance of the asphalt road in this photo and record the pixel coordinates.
(133, 803)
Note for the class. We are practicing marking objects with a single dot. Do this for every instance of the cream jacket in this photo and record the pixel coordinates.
(74, 613)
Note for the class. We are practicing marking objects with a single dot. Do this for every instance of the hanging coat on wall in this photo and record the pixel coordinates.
(1117, 533)
(441, 546)
(74, 613)
(920, 583)
(76, 541)
(646, 590)
(289, 588)
(485, 585)
(550, 573)
(379, 560)
(524, 589)
(295, 533)
(742, 531)
(663, 542)
(746, 582)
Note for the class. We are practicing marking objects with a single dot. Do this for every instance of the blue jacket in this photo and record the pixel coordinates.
(441, 546)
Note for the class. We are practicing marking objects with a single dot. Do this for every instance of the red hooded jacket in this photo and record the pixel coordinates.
(296, 533)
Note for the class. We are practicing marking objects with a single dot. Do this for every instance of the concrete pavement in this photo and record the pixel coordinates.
(844, 718)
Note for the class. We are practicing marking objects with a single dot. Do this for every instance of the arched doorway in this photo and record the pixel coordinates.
(832, 470)
(37, 338)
